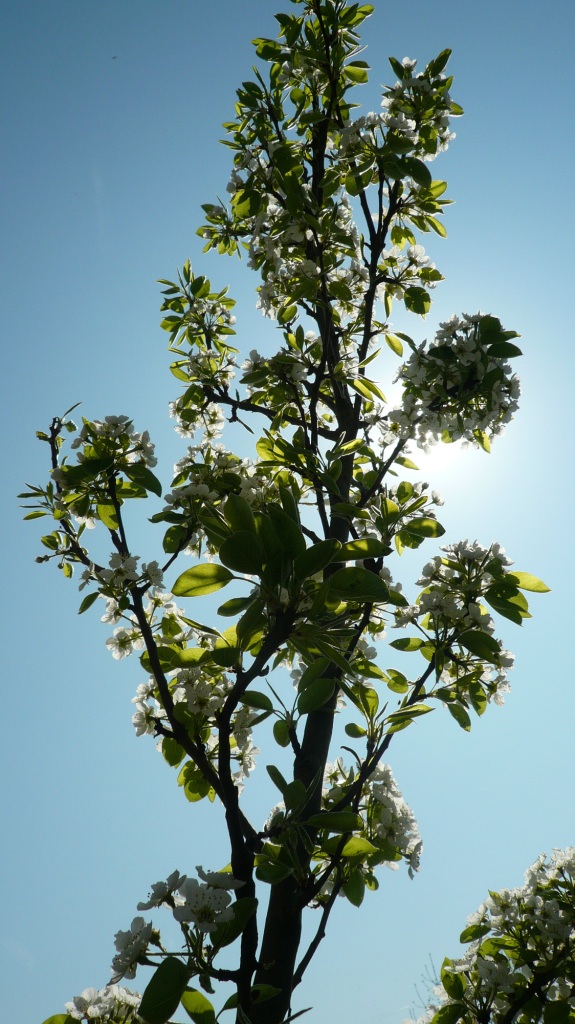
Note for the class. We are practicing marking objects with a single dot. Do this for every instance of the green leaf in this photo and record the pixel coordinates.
(242, 552)
(108, 516)
(198, 1007)
(267, 49)
(407, 643)
(239, 514)
(261, 993)
(289, 503)
(354, 888)
(394, 344)
(242, 910)
(396, 681)
(277, 777)
(365, 547)
(174, 537)
(246, 203)
(449, 1014)
(462, 718)
(503, 350)
(60, 1018)
(287, 531)
(481, 644)
(255, 699)
(286, 314)
(425, 527)
(294, 795)
(355, 731)
(273, 873)
(557, 1013)
(172, 752)
(234, 606)
(453, 984)
(436, 66)
(417, 300)
(315, 695)
(281, 733)
(367, 388)
(141, 475)
(354, 73)
(401, 460)
(525, 581)
(315, 558)
(201, 579)
(437, 226)
(418, 171)
(336, 821)
(332, 653)
(407, 714)
(164, 991)
(474, 931)
(358, 847)
(355, 583)
(87, 470)
(507, 609)
(87, 602)
(178, 657)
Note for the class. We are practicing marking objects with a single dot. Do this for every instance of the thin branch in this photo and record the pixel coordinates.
(319, 935)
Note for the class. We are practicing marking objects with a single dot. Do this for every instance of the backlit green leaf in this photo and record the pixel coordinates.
(141, 475)
(425, 527)
(227, 932)
(336, 821)
(163, 993)
(201, 579)
(481, 644)
(355, 583)
(394, 344)
(242, 552)
(255, 699)
(365, 547)
(525, 581)
(108, 516)
(315, 695)
(358, 847)
(238, 513)
(417, 300)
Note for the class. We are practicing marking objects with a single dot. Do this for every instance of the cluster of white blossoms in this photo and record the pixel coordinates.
(128, 638)
(119, 430)
(105, 1006)
(202, 691)
(450, 605)
(207, 318)
(203, 905)
(460, 386)
(282, 258)
(410, 93)
(108, 447)
(191, 417)
(392, 821)
(208, 473)
(131, 946)
(389, 822)
(521, 951)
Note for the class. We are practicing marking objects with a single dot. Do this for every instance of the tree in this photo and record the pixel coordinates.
(519, 965)
(307, 530)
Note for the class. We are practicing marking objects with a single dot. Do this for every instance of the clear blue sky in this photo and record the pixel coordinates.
(111, 126)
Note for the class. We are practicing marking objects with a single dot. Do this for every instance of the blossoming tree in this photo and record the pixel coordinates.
(330, 208)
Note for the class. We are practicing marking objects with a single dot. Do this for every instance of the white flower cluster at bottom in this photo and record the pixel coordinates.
(109, 1004)
(522, 940)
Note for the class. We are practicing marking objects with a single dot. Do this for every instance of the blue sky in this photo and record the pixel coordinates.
(112, 115)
